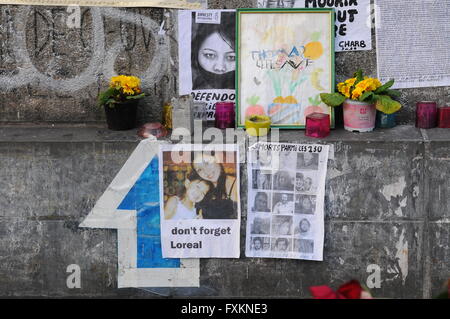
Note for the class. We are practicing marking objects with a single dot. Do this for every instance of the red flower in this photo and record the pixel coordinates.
(349, 290)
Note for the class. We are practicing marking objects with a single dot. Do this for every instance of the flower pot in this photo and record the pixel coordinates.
(359, 116)
(122, 116)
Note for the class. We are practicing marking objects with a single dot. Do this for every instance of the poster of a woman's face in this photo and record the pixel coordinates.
(213, 53)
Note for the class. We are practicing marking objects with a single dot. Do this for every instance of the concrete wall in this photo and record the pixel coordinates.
(52, 73)
(387, 204)
(388, 192)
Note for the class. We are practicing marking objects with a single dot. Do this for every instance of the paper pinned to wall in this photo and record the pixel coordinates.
(286, 189)
(206, 50)
(177, 4)
(413, 43)
(353, 20)
(200, 193)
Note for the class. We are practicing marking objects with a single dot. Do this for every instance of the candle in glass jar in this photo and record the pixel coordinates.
(444, 117)
(426, 114)
(317, 125)
(225, 115)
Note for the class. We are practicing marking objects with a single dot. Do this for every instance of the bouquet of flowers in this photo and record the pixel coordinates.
(364, 89)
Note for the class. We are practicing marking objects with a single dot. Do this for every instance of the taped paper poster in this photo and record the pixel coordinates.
(131, 205)
(199, 187)
(176, 4)
(413, 43)
(286, 187)
(352, 22)
(206, 49)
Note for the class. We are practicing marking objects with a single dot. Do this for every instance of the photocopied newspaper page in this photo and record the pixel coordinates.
(286, 189)
(413, 43)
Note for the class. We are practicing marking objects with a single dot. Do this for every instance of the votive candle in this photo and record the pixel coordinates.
(426, 114)
(317, 125)
(444, 117)
(225, 115)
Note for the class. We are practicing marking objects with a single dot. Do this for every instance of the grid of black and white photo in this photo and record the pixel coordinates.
(282, 201)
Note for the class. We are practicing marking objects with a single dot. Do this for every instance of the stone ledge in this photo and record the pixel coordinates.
(99, 133)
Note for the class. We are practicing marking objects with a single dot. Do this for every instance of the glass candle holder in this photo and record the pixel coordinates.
(317, 125)
(225, 115)
(426, 114)
(444, 117)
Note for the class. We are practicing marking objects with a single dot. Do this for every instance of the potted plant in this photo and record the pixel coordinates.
(120, 102)
(361, 98)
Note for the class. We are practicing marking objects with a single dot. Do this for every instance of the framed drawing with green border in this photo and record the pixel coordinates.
(285, 59)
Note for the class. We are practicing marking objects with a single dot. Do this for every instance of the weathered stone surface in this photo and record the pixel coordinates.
(382, 208)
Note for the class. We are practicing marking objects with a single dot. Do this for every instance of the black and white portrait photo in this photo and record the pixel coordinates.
(283, 181)
(281, 244)
(260, 226)
(288, 160)
(304, 246)
(305, 204)
(262, 179)
(258, 244)
(261, 202)
(305, 182)
(303, 227)
(282, 225)
(283, 203)
(213, 53)
(307, 161)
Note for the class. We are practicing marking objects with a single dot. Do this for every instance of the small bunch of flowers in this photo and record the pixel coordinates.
(121, 88)
(365, 89)
(355, 91)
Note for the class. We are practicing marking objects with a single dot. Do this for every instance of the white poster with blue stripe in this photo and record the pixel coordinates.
(131, 205)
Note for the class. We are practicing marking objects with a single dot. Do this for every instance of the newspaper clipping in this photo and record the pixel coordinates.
(206, 47)
(199, 185)
(286, 189)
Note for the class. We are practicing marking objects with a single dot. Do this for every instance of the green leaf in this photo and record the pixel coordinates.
(393, 93)
(367, 96)
(384, 87)
(104, 97)
(359, 77)
(387, 105)
(332, 99)
(135, 97)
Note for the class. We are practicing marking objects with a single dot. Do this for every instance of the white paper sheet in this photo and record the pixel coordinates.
(413, 43)
(286, 187)
(201, 216)
(207, 56)
(353, 24)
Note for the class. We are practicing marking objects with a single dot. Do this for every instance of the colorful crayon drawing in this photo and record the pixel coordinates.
(285, 61)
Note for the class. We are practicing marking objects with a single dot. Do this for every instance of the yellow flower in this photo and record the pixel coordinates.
(127, 84)
(357, 92)
(350, 81)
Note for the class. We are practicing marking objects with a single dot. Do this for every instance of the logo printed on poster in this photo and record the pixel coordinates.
(209, 17)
